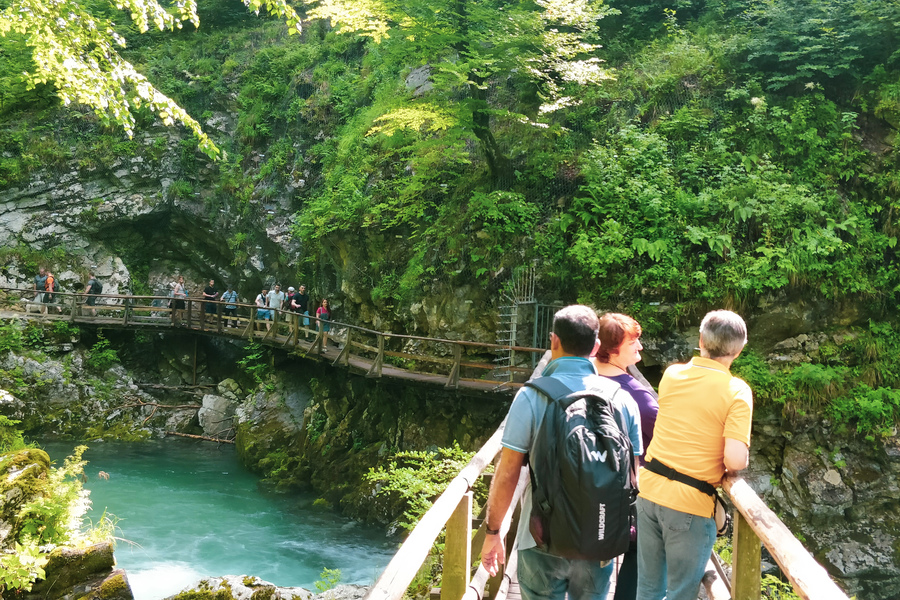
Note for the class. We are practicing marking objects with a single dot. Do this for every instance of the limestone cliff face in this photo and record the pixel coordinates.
(143, 212)
(838, 493)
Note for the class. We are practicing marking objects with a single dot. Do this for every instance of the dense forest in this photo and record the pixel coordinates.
(660, 158)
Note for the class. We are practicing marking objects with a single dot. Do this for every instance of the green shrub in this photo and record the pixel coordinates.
(102, 356)
(418, 477)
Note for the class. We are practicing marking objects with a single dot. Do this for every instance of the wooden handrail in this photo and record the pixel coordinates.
(809, 579)
(409, 558)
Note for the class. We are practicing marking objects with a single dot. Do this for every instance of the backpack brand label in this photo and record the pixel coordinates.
(600, 456)
(601, 523)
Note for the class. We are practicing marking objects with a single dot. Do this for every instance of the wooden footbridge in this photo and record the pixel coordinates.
(442, 362)
(754, 526)
(453, 364)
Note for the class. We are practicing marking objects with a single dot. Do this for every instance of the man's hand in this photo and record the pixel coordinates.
(493, 553)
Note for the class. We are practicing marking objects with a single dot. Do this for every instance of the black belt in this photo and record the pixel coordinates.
(654, 466)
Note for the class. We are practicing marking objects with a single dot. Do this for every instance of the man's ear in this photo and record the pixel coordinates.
(596, 348)
(555, 344)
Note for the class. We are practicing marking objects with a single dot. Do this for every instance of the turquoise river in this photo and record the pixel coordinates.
(188, 510)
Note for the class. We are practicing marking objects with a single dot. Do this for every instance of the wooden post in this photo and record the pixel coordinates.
(458, 551)
(127, 311)
(345, 351)
(453, 380)
(375, 371)
(173, 311)
(273, 330)
(189, 305)
(74, 307)
(195, 360)
(251, 326)
(747, 553)
(219, 310)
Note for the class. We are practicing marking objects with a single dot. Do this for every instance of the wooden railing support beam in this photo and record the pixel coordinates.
(747, 553)
(375, 371)
(344, 355)
(457, 551)
(453, 379)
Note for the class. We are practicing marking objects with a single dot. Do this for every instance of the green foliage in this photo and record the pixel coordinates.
(18, 571)
(774, 588)
(418, 477)
(257, 363)
(816, 41)
(102, 356)
(10, 337)
(328, 579)
(55, 518)
(860, 389)
(315, 427)
(10, 437)
(65, 329)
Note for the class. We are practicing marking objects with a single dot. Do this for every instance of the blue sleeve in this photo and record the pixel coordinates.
(632, 419)
(520, 422)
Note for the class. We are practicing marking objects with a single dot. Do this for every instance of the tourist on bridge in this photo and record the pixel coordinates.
(300, 305)
(544, 576)
(230, 297)
(702, 430)
(262, 313)
(40, 284)
(179, 295)
(275, 298)
(50, 286)
(211, 294)
(620, 348)
(93, 288)
(324, 316)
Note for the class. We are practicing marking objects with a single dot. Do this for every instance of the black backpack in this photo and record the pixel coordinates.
(96, 287)
(55, 284)
(583, 475)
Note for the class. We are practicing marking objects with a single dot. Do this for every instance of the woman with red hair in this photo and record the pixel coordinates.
(620, 348)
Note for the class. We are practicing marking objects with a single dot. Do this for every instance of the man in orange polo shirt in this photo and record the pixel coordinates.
(702, 430)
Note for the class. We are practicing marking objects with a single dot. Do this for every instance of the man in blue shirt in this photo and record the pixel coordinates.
(543, 576)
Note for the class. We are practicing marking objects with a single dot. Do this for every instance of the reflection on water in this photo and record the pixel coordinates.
(188, 510)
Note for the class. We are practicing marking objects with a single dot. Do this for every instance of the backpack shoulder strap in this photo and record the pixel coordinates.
(551, 387)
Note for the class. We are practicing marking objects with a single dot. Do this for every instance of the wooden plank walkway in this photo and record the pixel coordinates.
(416, 359)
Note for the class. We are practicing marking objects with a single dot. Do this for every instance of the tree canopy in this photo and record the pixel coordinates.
(74, 47)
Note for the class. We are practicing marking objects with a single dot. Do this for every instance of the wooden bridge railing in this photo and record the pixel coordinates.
(755, 525)
(453, 509)
(456, 359)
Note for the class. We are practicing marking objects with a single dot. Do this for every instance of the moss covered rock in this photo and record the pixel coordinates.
(69, 567)
(23, 478)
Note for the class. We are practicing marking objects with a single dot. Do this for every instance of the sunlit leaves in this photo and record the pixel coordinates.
(368, 18)
(424, 118)
(553, 42)
(278, 8)
(76, 52)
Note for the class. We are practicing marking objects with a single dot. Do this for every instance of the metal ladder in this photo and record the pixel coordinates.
(520, 291)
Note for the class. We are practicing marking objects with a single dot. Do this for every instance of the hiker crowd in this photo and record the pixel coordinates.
(295, 301)
(595, 438)
(45, 286)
